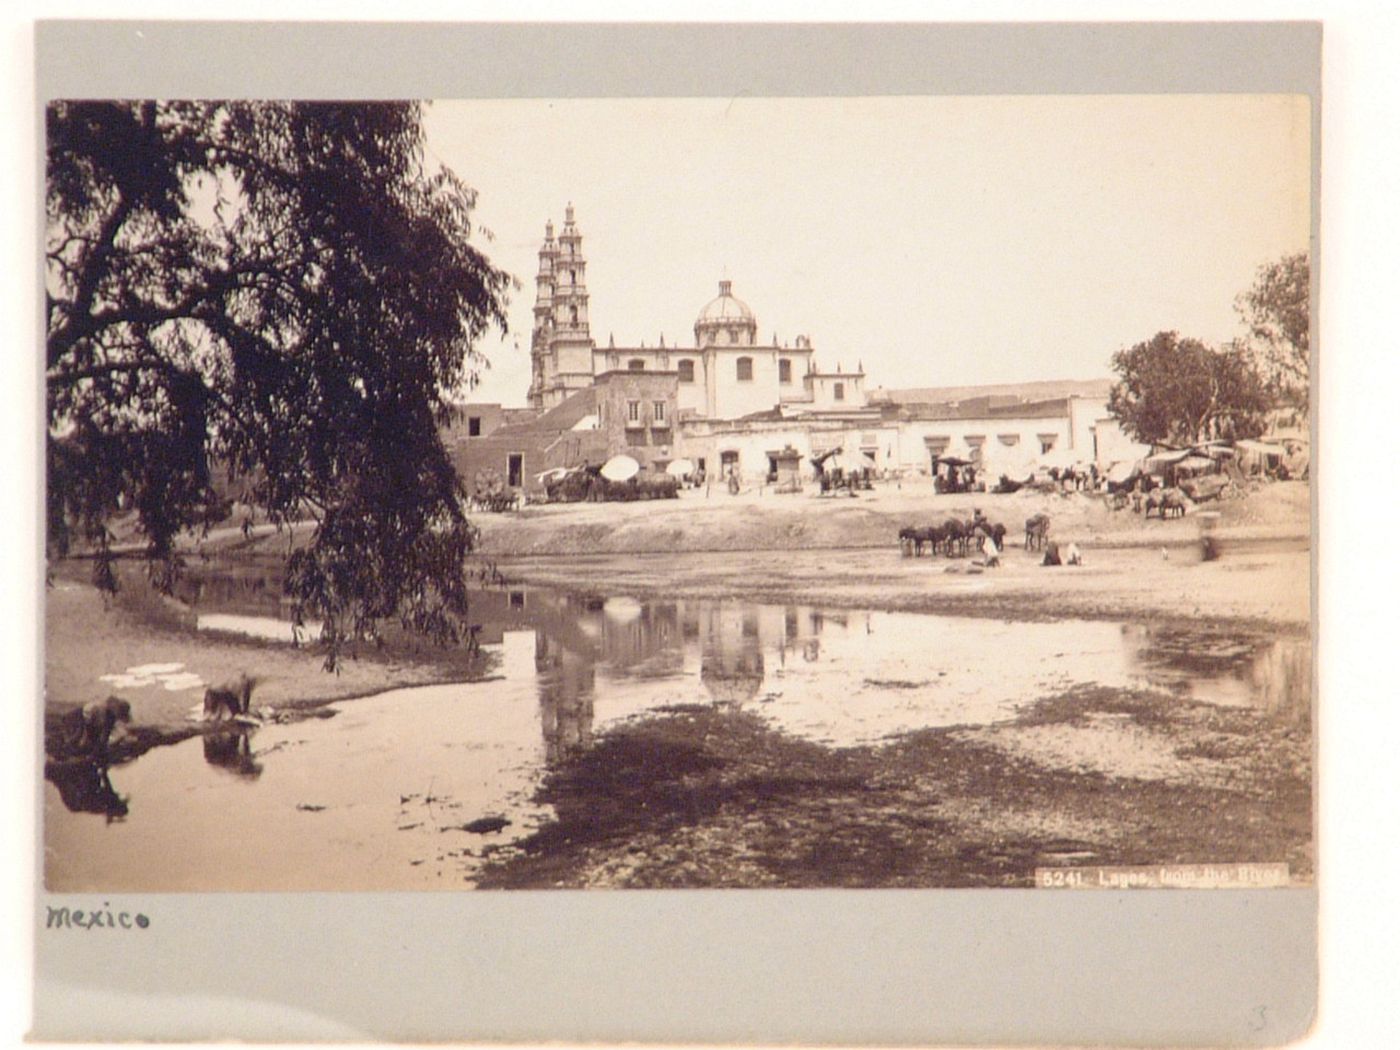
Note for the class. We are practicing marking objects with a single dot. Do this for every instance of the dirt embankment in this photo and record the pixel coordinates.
(766, 522)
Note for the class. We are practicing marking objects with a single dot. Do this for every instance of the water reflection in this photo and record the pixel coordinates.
(84, 787)
(232, 750)
(731, 654)
(838, 676)
(566, 681)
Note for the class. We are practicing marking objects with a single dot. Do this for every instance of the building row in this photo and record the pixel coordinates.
(732, 403)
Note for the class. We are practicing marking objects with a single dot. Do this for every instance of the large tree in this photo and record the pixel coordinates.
(284, 291)
(1276, 310)
(1179, 391)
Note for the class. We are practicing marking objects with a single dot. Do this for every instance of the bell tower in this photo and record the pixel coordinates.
(561, 348)
(541, 365)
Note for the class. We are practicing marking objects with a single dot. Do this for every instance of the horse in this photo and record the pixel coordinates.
(955, 532)
(995, 531)
(1037, 529)
(912, 539)
(1174, 503)
(909, 542)
(231, 699)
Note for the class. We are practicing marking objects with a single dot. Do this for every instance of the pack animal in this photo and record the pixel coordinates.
(955, 535)
(1173, 503)
(912, 540)
(228, 700)
(996, 532)
(1037, 529)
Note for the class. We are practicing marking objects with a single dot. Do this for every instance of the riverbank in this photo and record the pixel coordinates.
(844, 552)
(90, 639)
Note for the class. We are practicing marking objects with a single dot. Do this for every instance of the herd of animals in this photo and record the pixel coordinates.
(957, 537)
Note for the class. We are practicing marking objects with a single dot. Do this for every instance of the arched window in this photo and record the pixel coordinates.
(573, 315)
(744, 369)
(686, 371)
(784, 370)
(636, 364)
(571, 277)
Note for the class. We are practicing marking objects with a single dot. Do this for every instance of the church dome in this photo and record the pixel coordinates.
(724, 308)
(724, 313)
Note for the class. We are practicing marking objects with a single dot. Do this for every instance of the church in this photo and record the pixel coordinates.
(731, 403)
(727, 374)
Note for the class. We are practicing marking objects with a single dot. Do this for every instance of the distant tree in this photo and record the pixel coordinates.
(1276, 311)
(1180, 392)
(281, 290)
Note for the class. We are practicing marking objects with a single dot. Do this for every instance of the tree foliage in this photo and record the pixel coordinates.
(285, 291)
(1180, 392)
(1276, 310)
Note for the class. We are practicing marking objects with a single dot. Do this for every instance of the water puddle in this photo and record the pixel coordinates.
(383, 794)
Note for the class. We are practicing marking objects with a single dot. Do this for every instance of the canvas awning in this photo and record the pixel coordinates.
(1261, 448)
(1166, 459)
(1122, 471)
(1059, 458)
(1196, 463)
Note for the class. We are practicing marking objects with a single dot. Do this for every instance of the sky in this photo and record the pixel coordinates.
(935, 240)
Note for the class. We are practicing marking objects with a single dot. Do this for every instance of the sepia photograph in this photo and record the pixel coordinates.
(678, 493)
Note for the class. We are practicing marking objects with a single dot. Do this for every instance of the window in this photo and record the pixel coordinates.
(636, 364)
(686, 370)
(1009, 440)
(515, 464)
(573, 315)
(744, 369)
(634, 412)
(474, 426)
(572, 280)
(838, 391)
(784, 371)
(636, 436)
(517, 599)
(1047, 442)
(658, 411)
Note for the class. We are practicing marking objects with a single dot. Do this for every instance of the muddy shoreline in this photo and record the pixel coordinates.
(696, 796)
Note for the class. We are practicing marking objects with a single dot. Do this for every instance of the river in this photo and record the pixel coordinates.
(417, 788)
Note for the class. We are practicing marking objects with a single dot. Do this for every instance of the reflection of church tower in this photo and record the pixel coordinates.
(731, 655)
(566, 697)
(561, 348)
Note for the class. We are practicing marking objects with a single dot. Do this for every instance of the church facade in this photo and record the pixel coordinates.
(727, 374)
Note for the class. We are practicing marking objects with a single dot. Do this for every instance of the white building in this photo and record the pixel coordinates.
(739, 401)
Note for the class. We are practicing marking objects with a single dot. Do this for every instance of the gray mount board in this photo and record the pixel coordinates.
(892, 967)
